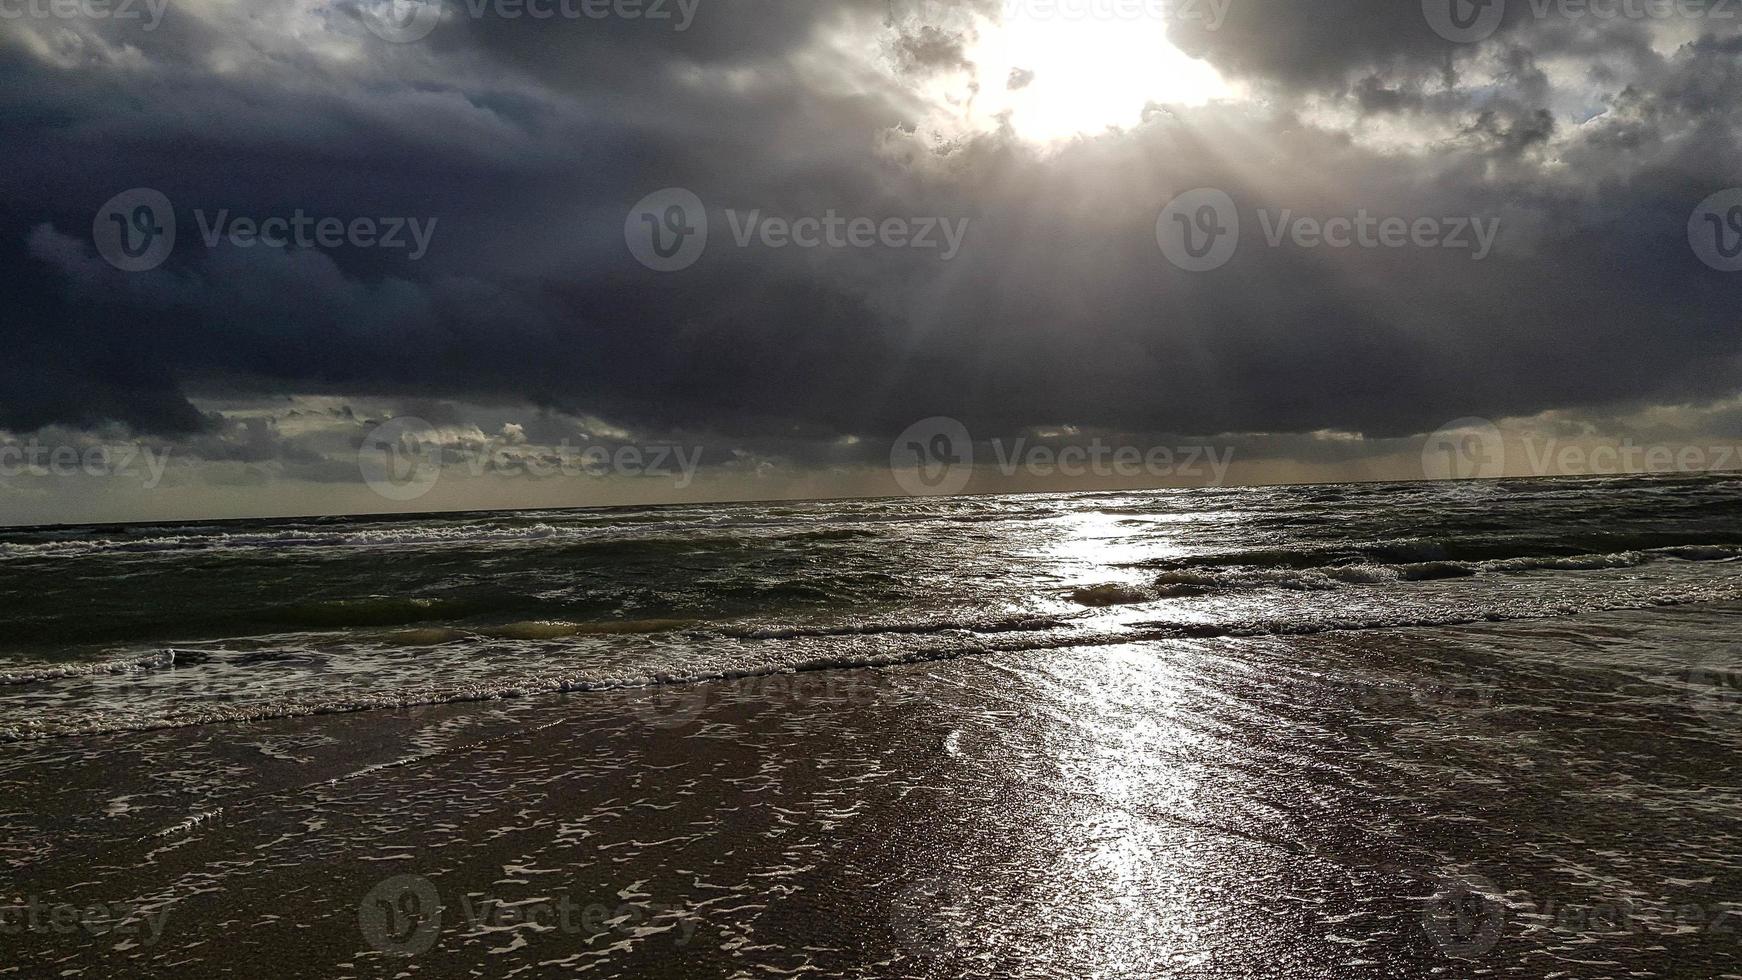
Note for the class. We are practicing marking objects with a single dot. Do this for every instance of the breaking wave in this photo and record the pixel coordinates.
(770, 653)
(38, 673)
(1290, 571)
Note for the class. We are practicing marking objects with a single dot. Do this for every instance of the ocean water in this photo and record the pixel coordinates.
(139, 627)
(1423, 730)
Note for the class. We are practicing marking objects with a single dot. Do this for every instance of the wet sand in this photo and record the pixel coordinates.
(1510, 800)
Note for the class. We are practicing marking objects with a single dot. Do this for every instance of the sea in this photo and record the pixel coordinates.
(1483, 728)
(142, 626)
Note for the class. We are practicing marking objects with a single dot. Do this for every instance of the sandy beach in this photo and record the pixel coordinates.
(1509, 800)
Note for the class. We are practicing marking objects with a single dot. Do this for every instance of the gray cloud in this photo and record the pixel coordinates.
(1589, 143)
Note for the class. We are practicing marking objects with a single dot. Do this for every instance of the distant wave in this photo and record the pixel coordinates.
(1017, 636)
(34, 673)
(628, 537)
(1472, 549)
(285, 538)
(1291, 569)
(416, 697)
(651, 533)
(1002, 625)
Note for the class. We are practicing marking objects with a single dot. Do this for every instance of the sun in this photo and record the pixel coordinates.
(1056, 76)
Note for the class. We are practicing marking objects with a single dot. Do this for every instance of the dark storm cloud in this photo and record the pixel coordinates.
(1323, 46)
(529, 142)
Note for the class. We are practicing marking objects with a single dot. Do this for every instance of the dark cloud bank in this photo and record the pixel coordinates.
(1590, 141)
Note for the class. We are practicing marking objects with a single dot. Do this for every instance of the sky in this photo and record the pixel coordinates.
(340, 256)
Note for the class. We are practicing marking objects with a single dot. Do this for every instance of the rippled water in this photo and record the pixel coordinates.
(138, 627)
(1436, 730)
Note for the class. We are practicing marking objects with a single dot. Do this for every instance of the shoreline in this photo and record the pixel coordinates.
(1234, 806)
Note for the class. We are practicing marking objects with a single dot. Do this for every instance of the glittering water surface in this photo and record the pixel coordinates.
(1407, 730)
(142, 627)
